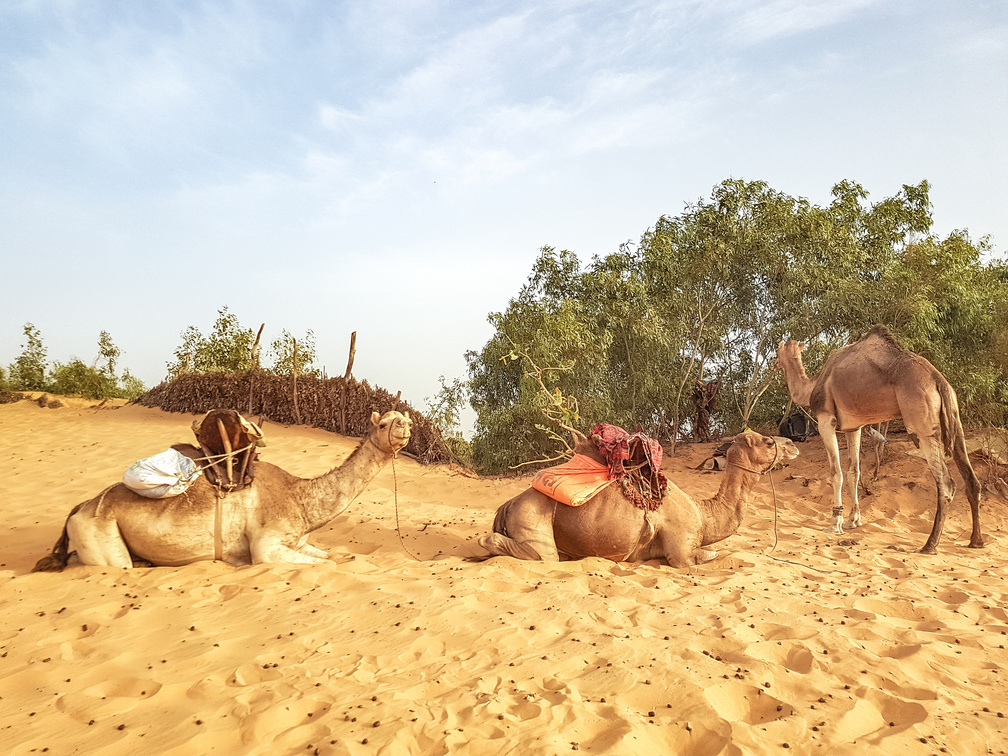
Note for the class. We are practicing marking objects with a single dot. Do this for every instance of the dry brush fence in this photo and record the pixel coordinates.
(319, 403)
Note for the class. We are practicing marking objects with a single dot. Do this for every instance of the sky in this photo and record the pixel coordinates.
(394, 168)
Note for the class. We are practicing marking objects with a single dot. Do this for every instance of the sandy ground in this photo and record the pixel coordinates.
(824, 644)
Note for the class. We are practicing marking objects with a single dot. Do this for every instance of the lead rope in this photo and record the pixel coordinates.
(395, 490)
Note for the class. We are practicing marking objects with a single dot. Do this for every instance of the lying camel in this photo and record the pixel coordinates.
(872, 381)
(535, 527)
(268, 521)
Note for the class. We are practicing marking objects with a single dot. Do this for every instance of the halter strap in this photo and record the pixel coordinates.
(757, 472)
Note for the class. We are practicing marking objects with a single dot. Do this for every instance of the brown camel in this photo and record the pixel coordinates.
(872, 381)
(268, 521)
(535, 527)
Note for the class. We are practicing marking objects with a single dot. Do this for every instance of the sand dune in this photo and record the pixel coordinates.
(823, 644)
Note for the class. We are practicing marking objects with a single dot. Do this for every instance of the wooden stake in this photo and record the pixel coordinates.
(346, 377)
(297, 412)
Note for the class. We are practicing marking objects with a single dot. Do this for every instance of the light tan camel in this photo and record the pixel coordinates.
(871, 381)
(535, 527)
(268, 521)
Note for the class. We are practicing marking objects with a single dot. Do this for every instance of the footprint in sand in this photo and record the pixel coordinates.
(107, 698)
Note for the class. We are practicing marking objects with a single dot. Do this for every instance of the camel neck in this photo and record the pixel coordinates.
(325, 497)
(724, 512)
(798, 382)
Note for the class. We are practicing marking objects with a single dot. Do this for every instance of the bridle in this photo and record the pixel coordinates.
(764, 472)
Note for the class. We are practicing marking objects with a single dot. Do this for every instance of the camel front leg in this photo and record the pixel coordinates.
(309, 550)
(827, 430)
(267, 549)
(854, 474)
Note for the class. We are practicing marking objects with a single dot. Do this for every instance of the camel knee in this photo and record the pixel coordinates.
(502, 545)
(704, 555)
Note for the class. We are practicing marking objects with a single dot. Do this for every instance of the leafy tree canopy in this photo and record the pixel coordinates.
(710, 293)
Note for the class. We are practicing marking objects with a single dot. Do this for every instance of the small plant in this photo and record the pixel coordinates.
(28, 371)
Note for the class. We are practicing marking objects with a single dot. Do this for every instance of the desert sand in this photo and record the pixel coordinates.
(818, 644)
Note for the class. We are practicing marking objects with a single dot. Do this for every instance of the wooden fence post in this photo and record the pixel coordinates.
(346, 378)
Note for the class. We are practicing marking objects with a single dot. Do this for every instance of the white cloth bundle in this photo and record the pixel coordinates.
(167, 473)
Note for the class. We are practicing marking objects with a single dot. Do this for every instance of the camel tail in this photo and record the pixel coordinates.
(954, 440)
(56, 560)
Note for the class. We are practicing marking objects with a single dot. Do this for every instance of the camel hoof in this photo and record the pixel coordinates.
(929, 549)
(833, 529)
(978, 544)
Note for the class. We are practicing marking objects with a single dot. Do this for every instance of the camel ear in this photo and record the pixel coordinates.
(408, 417)
(801, 346)
(375, 417)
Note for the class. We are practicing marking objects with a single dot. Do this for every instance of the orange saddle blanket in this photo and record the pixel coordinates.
(575, 482)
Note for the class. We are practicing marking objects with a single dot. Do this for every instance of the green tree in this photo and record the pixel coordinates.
(130, 387)
(28, 371)
(711, 292)
(444, 410)
(228, 348)
(78, 379)
(554, 322)
(108, 355)
(282, 351)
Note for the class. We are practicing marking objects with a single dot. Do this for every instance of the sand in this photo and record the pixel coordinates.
(824, 644)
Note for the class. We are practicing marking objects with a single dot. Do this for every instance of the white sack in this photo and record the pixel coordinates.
(167, 473)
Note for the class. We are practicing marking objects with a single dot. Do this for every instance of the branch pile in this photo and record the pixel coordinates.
(334, 404)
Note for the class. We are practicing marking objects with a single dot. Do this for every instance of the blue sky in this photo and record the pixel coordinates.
(393, 168)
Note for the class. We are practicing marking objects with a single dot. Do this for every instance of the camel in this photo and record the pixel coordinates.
(535, 527)
(268, 521)
(871, 381)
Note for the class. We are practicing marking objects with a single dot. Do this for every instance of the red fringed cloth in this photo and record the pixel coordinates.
(635, 462)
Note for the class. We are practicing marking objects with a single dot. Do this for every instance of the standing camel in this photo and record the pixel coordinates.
(267, 521)
(871, 381)
(535, 527)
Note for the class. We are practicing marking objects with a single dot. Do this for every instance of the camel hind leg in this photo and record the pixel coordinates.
(98, 541)
(523, 529)
(933, 453)
(959, 454)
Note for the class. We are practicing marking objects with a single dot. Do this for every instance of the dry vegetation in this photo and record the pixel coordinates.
(333, 404)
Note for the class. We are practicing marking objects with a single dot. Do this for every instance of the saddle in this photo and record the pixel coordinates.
(229, 443)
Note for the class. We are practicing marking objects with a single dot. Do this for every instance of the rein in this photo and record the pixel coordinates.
(773, 488)
(395, 492)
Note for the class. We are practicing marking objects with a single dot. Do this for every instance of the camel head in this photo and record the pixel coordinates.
(756, 453)
(790, 351)
(391, 431)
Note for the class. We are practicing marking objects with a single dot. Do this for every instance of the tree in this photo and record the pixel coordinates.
(227, 349)
(444, 410)
(76, 378)
(108, 355)
(28, 371)
(282, 350)
(710, 293)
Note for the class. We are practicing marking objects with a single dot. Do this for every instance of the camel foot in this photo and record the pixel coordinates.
(835, 527)
(927, 549)
(977, 543)
(855, 520)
